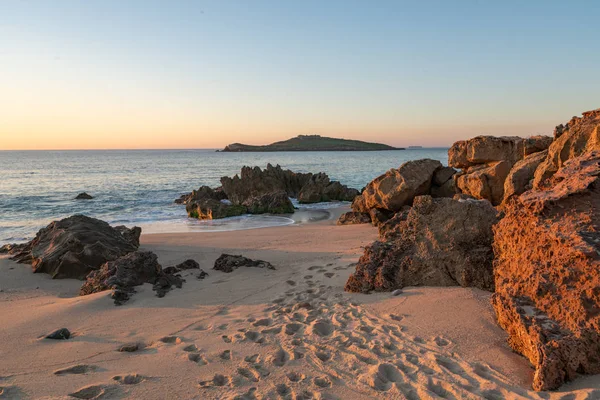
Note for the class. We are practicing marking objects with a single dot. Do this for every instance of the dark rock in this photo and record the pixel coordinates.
(319, 188)
(379, 216)
(443, 175)
(129, 348)
(272, 203)
(83, 196)
(227, 263)
(74, 246)
(187, 264)
(123, 274)
(352, 218)
(442, 242)
(203, 193)
(202, 274)
(61, 334)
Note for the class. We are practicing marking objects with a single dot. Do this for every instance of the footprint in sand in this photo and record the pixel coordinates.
(284, 391)
(254, 337)
(197, 358)
(190, 348)
(254, 358)
(280, 358)
(291, 283)
(203, 327)
(292, 329)
(308, 277)
(385, 377)
(440, 341)
(263, 322)
(295, 377)
(323, 355)
(225, 355)
(396, 317)
(76, 370)
(329, 274)
(131, 379)
(249, 395)
(227, 339)
(322, 328)
(252, 376)
(88, 393)
(314, 267)
(217, 381)
(322, 381)
(170, 339)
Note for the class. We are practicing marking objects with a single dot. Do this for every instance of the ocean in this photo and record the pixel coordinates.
(138, 187)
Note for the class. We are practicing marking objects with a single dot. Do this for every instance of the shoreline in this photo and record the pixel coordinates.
(453, 326)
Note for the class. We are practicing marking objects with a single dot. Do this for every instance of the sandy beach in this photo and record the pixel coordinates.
(290, 333)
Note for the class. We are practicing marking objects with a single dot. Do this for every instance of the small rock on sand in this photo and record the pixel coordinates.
(61, 334)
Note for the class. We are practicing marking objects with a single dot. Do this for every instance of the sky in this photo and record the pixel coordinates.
(83, 74)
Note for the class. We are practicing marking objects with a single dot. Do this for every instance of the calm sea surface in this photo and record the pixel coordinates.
(137, 187)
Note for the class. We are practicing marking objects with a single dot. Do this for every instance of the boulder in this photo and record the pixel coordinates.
(443, 175)
(485, 181)
(579, 136)
(75, 246)
(447, 189)
(273, 203)
(228, 263)
(535, 144)
(186, 265)
(521, 175)
(398, 187)
(83, 196)
(123, 274)
(547, 273)
(439, 242)
(485, 150)
(353, 218)
(379, 216)
(213, 209)
(359, 205)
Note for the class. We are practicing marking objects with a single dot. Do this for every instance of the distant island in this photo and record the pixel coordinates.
(311, 143)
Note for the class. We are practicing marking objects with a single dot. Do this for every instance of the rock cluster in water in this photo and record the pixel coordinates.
(258, 191)
(538, 249)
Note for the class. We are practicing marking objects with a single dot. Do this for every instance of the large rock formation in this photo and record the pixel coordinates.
(520, 176)
(274, 203)
(75, 246)
(439, 242)
(213, 209)
(354, 218)
(320, 188)
(547, 268)
(123, 274)
(203, 192)
(398, 187)
(580, 135)
(487, 161)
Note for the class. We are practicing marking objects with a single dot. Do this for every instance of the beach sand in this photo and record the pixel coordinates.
(255, 333)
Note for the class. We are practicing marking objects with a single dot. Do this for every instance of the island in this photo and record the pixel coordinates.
(311, 143)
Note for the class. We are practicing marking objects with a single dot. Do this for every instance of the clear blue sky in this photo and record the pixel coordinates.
(122, 74)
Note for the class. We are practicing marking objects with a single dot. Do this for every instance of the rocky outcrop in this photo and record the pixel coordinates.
(252, 182)
(204, 192)
(580, 135)
(184, 266)
(75, 246)
(228, 263)
(213, 209)
(273, 203)
(520, 176)
(123, 274)
(319, 188)
(83, 196)
(487, 161)
(547, 270)
(354, 218)
(439, 242)
(398, 187)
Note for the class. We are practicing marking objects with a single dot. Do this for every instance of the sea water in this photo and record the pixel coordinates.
(138, 187)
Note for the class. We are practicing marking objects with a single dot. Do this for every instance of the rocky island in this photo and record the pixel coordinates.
(311, 143)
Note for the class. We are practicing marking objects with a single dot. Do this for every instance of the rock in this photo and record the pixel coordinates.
(202, 274)
(272, 203)
(535, 144)
(579, 136)
(521, 175)
(129, 348)
(398, 187)
(441, 242)
(123, 274)
(485, 181)
(320, 189)
(187, 264)
(353, 218)
(203, 192)
(447, 189)
(253, 182)
(75, 246)
(60, 334)
(389, 230)
(485, 150)
(547, 273)
(83, 196)
(443, 175)
(227, 263)
(379, 216)
(213, 209)
(359, 205)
